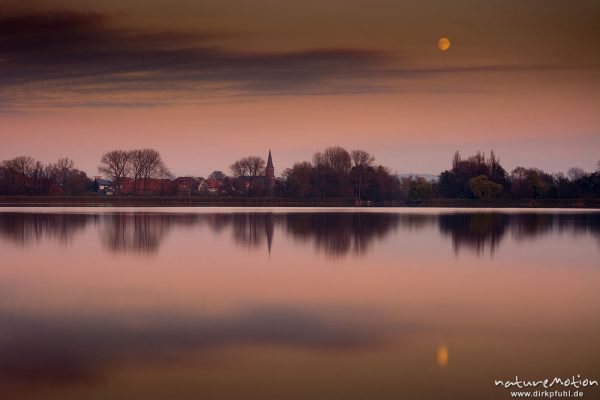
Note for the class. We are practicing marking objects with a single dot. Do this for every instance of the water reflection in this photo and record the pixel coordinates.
(340, 234)
(27, 228)
(480, 231)
(248, 229)
(475, 231)
(71, 348)
(139, 233)
(190, 303)
(335, 234)
(442, 355)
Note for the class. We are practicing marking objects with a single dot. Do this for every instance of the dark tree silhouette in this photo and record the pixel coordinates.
(115, 165)
(247, 169)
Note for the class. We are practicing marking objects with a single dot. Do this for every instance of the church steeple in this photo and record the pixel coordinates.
(270, 169)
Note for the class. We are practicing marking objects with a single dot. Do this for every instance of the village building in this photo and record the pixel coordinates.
(187, 186)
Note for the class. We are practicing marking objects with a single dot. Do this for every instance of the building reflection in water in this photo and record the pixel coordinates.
(334, 234)
(82, 323)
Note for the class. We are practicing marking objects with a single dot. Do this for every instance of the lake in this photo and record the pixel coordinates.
(209, 303)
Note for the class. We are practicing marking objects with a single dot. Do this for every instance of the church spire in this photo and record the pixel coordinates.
(270, 171)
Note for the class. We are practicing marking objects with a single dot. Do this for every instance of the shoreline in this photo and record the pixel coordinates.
(196, 201)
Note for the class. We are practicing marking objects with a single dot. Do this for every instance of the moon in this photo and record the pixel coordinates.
(442, 355)
(444, 44)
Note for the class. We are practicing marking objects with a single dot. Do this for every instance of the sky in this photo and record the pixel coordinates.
(206, 82)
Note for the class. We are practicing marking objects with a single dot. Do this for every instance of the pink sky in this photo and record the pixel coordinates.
(207, 82)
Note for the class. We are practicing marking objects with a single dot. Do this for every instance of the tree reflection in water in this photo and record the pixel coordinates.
(27, 228)
(139, 233)
(474, 231)
(478, 231)
(336, 234)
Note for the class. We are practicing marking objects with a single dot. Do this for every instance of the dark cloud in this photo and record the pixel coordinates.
(81, 52)
(67, 58)
(68, 349)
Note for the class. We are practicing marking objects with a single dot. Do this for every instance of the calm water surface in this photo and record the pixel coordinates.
(294, 304)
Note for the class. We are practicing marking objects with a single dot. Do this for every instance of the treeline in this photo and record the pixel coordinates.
(133, 171)
(479, 177)
(332, 173)
(335, 172)
(26, 176)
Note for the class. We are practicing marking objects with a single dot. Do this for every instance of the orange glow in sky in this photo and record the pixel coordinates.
(207, 82)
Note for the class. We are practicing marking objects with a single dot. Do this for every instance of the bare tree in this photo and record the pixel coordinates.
(136, 165)
(249, 167)
(154, 166)
(335, 157)
(361, 158)
(575, 173)
(41, 177)
(298, 179)
(62, 169)
(147, 164)
(22, 165)
(18, 174)
(362, 164)
(115, 165)
(456, 160)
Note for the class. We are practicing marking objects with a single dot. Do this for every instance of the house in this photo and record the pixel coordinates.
(212, 186)
(264, 182)
(103, 186)
(185, 185)
(150, 186)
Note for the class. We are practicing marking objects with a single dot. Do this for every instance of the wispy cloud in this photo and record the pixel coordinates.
(80, 52)
(67, 58)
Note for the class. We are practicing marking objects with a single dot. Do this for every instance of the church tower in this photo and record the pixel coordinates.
(270, 170)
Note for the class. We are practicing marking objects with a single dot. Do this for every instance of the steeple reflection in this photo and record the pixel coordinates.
(336, 234)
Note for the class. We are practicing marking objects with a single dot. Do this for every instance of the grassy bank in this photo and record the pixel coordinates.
(197, 201)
